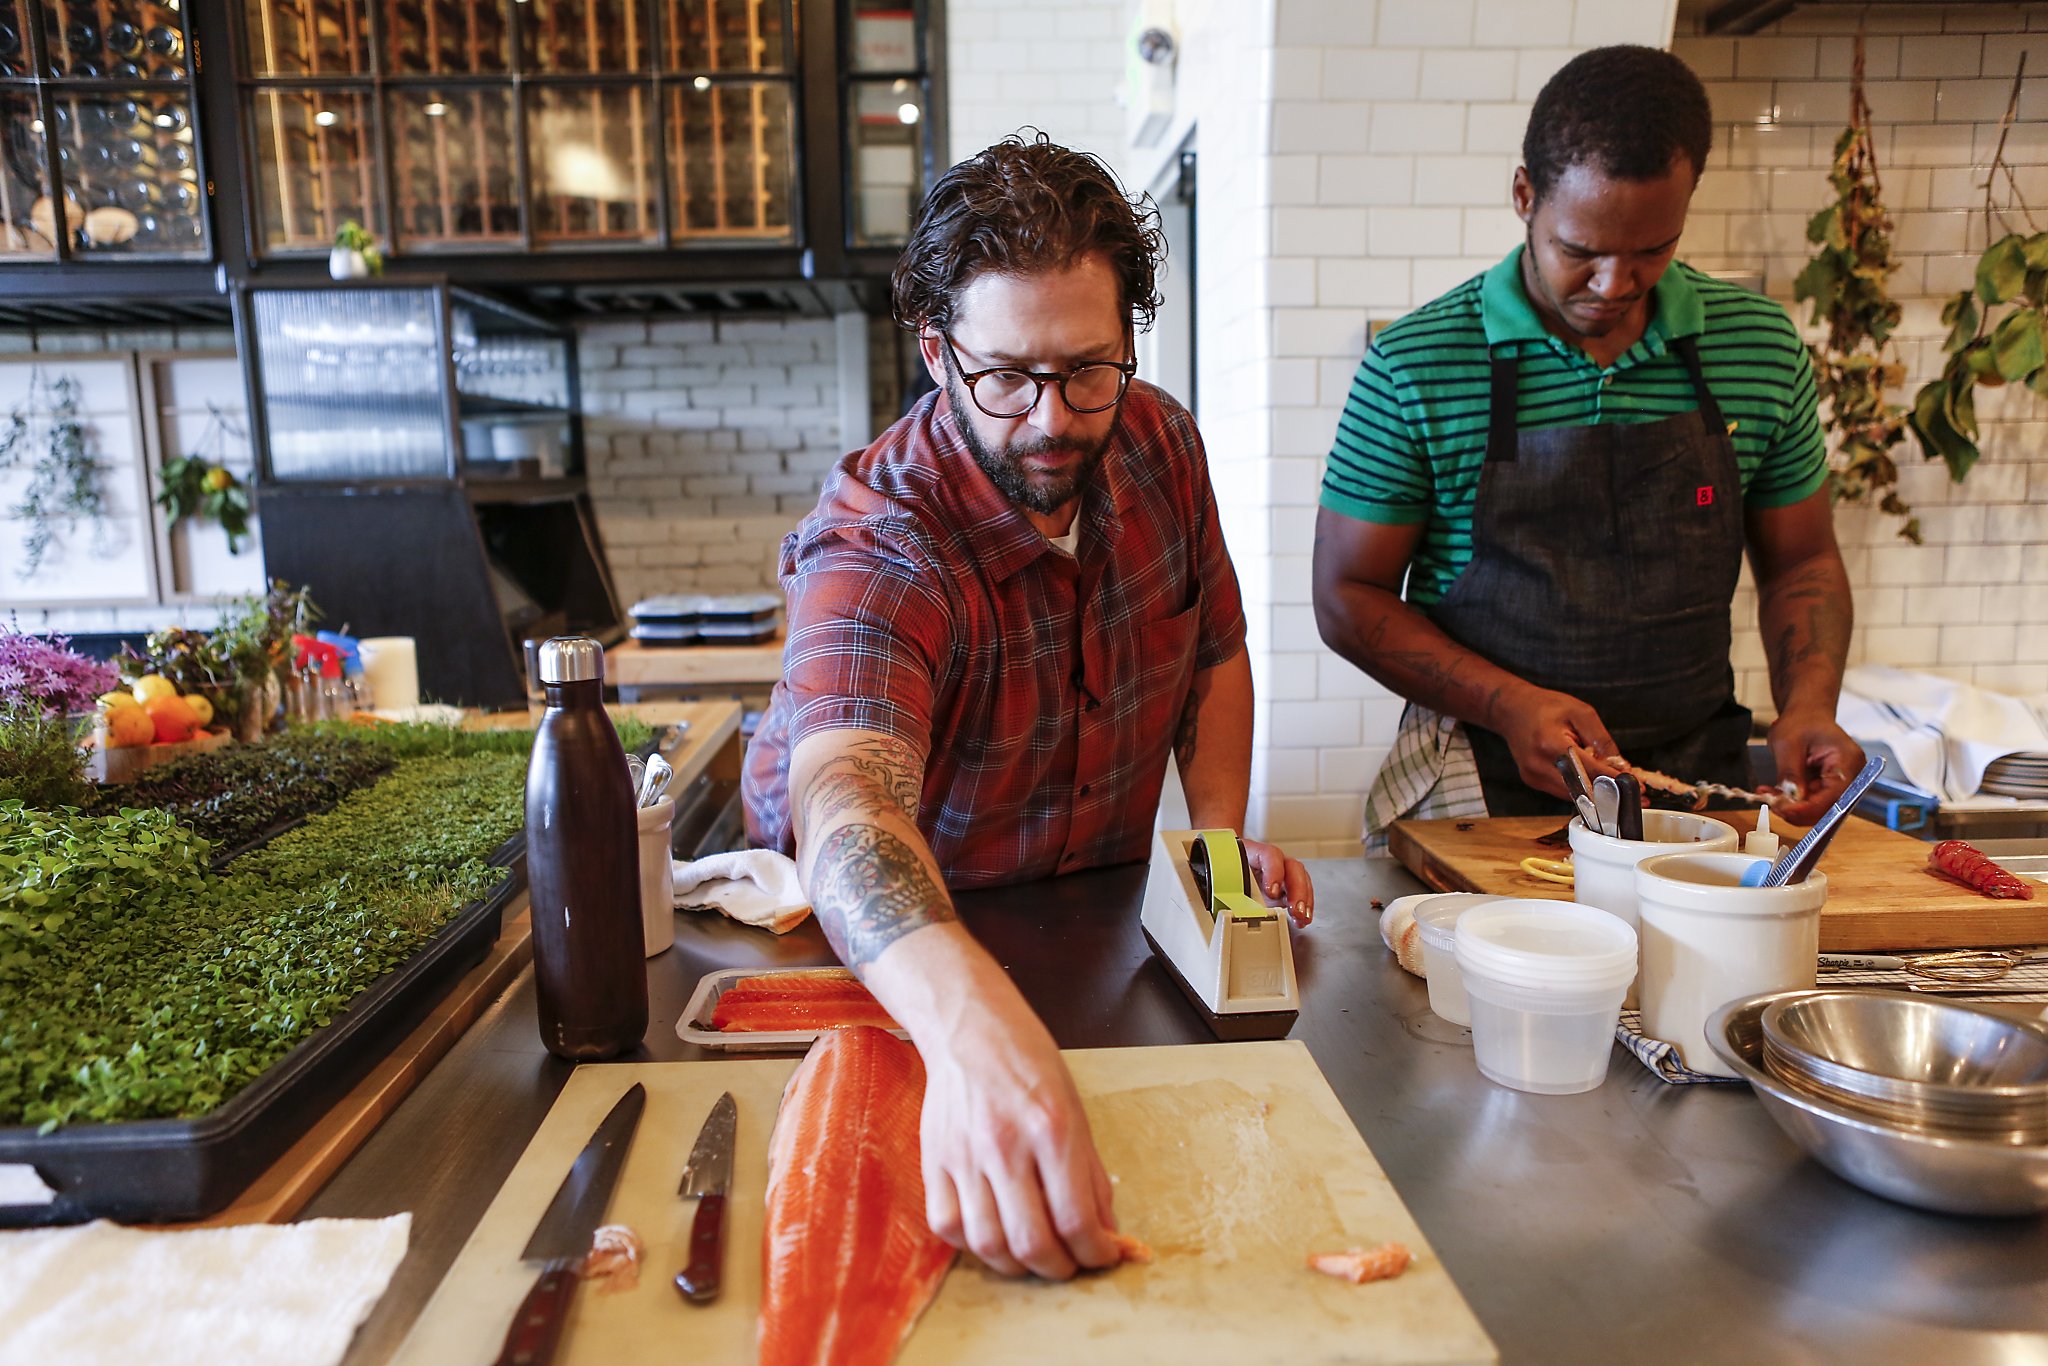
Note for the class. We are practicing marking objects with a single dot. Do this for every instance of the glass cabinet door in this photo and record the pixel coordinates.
(452, 163)
(316, 165)
(100, 159)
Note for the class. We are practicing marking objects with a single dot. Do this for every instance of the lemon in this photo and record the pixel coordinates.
(129, 727)
(114, 701)
(200, 707)
(150, 687)
(217, 479)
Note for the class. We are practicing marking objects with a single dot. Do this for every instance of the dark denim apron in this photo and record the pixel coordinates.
(1604, 559)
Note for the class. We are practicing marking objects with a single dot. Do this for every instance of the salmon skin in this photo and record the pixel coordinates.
(797, 1000)
(849, 1262)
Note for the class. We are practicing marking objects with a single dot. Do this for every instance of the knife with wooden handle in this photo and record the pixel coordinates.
(708, 1177)
(562, 1237)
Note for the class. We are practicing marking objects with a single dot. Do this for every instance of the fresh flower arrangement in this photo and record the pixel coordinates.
(48, 673)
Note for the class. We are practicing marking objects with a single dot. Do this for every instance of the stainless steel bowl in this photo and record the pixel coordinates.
(1951, 1175)
(1935, 1065)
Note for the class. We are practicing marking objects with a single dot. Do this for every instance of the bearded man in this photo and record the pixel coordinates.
(1004, 615)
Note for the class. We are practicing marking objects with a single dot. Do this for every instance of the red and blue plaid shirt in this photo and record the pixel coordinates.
(1043, 689)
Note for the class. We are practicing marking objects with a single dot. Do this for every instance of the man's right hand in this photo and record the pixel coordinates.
(1010, 1169)
(1539, 725)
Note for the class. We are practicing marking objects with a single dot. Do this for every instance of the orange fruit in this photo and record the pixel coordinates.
(173, 720)
(128, 727)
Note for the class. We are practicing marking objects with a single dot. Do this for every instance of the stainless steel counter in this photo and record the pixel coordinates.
(1636, 1223)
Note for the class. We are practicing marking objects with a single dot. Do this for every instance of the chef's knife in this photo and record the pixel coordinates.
(708, 1176)
(562, 1237)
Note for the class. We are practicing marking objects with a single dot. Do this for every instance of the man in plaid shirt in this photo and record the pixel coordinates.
(1003, 616)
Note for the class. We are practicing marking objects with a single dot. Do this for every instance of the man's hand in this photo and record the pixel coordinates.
(1282, 879)
(1010, 1170)
(1540, 725)
(1817, 754)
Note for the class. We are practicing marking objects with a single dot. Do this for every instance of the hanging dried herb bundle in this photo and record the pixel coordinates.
(1846, 283)
(2011, 274)
(64, 478)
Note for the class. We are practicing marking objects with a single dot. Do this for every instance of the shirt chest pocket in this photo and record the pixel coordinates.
(1162, 665)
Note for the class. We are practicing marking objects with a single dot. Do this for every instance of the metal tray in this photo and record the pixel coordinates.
(695, 1025)
(168, 1169)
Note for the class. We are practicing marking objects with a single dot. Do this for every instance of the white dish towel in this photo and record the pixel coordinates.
(280, 1294)
(756, 887)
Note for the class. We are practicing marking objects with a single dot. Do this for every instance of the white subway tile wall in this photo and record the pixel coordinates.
(708, 440)
(1939, 79)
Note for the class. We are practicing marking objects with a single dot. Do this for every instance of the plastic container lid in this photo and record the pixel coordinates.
(1546, 944)
(1436, 917)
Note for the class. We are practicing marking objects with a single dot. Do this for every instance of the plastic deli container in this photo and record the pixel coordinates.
(1544, 980)
(1436, 922)
(1708, 940)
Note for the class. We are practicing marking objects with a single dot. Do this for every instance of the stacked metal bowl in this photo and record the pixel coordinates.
(1937, 1104)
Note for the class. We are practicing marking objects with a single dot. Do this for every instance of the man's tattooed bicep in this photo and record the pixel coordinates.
(881, 770)
(870, 889)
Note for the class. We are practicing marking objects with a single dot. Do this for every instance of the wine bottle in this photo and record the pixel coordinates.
(124, 39)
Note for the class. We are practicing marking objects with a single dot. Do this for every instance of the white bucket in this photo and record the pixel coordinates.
(1708, 940)
(1544, 980)
(1436, 923)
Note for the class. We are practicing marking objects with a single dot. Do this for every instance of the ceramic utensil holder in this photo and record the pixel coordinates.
(657, 876)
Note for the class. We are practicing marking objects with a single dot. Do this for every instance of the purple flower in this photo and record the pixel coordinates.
(46, 671)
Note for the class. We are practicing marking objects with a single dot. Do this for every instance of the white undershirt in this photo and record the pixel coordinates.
(1069, 541)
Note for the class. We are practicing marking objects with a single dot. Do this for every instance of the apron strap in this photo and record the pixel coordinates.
(1710, 412)
(1503, 424)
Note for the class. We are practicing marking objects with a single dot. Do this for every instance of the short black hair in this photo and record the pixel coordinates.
(1624, 111)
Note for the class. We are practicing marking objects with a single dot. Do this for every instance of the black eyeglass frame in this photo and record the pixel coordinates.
(1127, 370)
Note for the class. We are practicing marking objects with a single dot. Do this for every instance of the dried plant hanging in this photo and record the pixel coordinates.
(64, 473)
(1986, 346)
(1846, 283)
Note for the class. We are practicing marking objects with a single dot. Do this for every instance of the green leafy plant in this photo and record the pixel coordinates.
(353, 236)
(1846, 283)
(41, 762)
(64, 478)
(198, 485)
(232, 796)
(2005, 341)
(140, 986)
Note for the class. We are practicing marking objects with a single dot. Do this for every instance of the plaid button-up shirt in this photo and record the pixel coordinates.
(1043, 689)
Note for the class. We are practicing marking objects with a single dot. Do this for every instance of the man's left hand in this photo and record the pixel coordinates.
(1817, 754)
(1282, 879)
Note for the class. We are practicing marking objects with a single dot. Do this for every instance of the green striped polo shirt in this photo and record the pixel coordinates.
(1412, 439)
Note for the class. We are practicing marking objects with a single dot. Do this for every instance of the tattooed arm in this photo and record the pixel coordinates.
(1010, 1170)
(1358, 570)
(1803, 605)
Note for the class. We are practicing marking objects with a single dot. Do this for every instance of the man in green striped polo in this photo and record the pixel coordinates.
(1564, 460)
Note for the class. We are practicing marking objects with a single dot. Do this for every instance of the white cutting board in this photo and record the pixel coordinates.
(1234, 1161)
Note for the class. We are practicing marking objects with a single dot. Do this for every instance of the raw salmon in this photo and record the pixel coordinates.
(797, 1000)
(848, 1262)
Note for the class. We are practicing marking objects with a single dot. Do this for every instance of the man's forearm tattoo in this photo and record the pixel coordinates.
(881, 770)
(870, 889)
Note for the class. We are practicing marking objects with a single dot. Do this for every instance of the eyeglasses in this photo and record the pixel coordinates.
(1004, 391)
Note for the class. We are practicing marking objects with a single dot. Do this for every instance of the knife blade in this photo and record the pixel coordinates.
(562, 1236)
(708, 1176)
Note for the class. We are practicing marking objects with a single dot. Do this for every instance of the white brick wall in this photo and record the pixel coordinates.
(707, 442)
(1938, 82)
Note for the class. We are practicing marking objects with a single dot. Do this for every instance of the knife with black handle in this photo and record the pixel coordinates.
(562, 1237)
(708, 1177)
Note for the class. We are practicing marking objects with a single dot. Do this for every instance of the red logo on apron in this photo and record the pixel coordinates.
(1703, 496)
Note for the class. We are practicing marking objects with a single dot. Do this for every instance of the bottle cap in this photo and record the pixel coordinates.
(571, 659)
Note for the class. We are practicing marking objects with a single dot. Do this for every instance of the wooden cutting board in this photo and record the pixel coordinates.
(1880, 894)
(1234, 1161)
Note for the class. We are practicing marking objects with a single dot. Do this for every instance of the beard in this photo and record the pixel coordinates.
(1043, 494)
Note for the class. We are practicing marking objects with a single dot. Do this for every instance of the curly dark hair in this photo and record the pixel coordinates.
(1021, 207)
(1624, 111)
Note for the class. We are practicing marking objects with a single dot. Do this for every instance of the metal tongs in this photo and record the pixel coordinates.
(1798, 862)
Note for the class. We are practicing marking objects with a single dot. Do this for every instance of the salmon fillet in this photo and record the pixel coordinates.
(798, 1000)
(849, 1262)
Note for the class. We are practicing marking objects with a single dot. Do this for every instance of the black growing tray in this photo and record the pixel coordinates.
(169, 1169)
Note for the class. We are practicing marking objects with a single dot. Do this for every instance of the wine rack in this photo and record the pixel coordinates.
(100, 157)
(508, 125)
